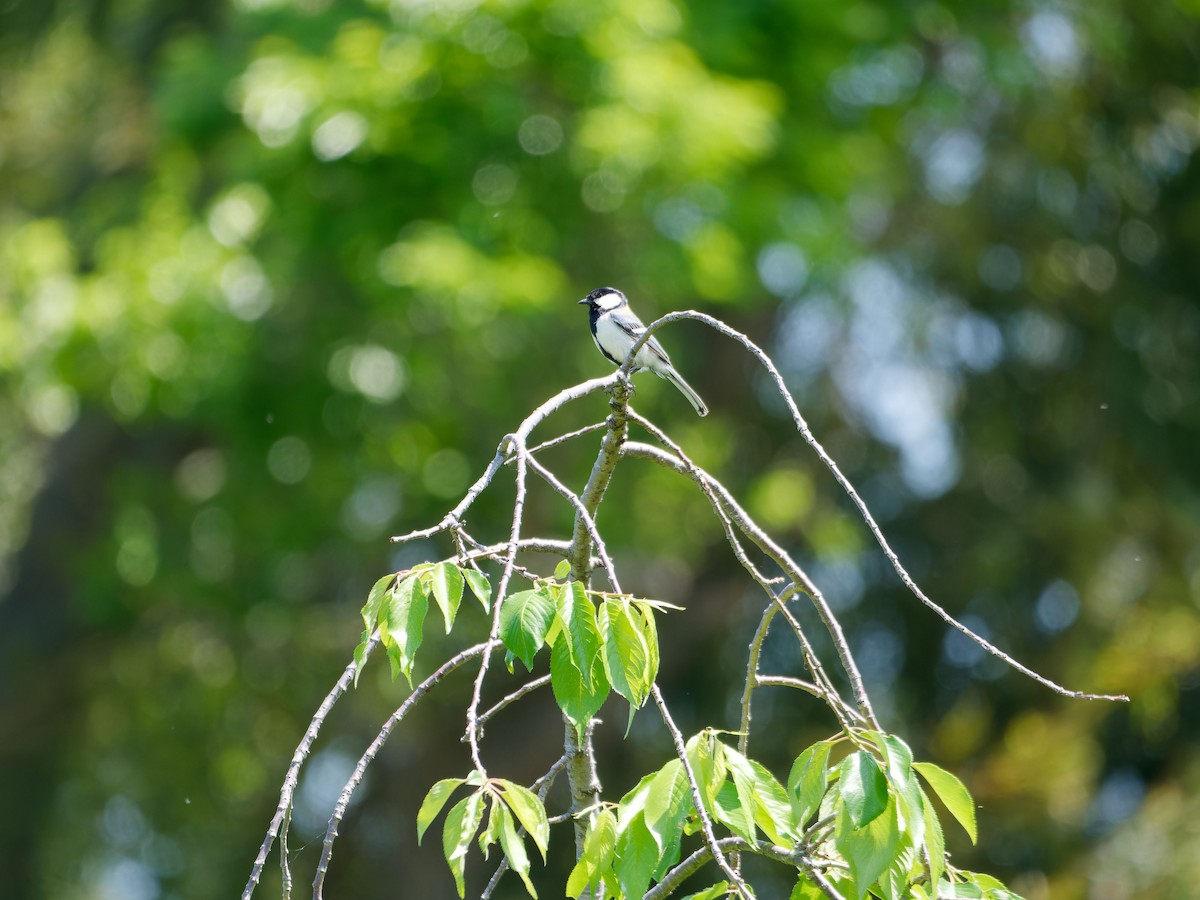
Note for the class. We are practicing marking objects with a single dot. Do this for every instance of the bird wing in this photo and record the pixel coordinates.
(634, 328)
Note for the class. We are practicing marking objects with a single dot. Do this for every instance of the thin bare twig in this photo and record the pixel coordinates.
(542, 788)
(588, 521)
(501, 593)
(706, 824)
(535, 418)
(343, 801)
(283, 811)
(673, 879)
(569, 436)
(863, 510)
(718, 504)
(516, 695)
(799, 577)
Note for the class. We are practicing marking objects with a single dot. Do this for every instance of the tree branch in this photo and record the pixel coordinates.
(339, 809)
(279, 821)
(864, 511)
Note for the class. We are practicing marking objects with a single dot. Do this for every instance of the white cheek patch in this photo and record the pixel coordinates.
(608, 302)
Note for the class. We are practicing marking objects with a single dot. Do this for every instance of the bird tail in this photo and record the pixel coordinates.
(676, 379)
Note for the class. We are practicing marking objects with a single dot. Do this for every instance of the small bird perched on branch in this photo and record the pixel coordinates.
(615, 329)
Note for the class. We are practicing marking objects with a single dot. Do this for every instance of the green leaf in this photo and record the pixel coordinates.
(734, 808)
(910, 810)
(935, 840)
(953, 793)
(596, 859)
(433, 803)
(579, 699)
(633, 803)
(868, 849)
(490, 834)
(668, 802)
(461, 824)
(403, 622)
(642, 613)
(808, 890)
(720, 889)
(514, 849)
(959, 891)
(626, 658)
(524, 621)
(562, 570)
(636, 858)
(577, 619)
(862, 787)
(370, 611)
(480, 587)
(707, 758)
(894, 883)
(987, 882)
(807, 781)
(446, 583)
(360, 655)
(529, 810)
(773, 810)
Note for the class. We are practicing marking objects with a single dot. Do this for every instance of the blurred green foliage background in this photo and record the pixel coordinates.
(275, 278)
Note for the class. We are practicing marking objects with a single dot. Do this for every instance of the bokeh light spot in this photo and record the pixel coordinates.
(371, 507)
(368, 369)
(1057, 606)
(137, 546)
(494, 184)
(289, 460)
(783, 269)
(445, 473)
(338, 136)
(239, 214)
(201, 474)
(540, 134)
(247, 292)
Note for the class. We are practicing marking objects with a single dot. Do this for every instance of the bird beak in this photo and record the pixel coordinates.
(584, 301)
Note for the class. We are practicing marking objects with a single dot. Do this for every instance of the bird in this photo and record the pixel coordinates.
(615, 328)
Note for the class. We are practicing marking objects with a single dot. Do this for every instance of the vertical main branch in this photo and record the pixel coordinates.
(577, 743)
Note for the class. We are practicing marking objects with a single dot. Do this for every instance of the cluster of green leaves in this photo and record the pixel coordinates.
(507, 800)
(398, 603)
(599, 643)
(866, 823)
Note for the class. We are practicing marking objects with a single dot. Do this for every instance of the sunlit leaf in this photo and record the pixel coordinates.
(434, 800)
(626, 659)
(862, 787)
(596, 859)
(579, 699)
(636, 858)
(524, 621)
(868, 849)
(403, 621)
(953, 793)
(360, 655)
(707, 758)
(668, 801)
(935, 840)
(577, 618)
(514, 848)
(529, 810)
(480, 587)
(370, 611)
(720, 889)
(808, 779)
(491, 833)
(446, 583)
(459, 829)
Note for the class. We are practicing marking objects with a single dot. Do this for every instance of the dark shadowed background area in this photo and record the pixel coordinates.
(276, 277)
